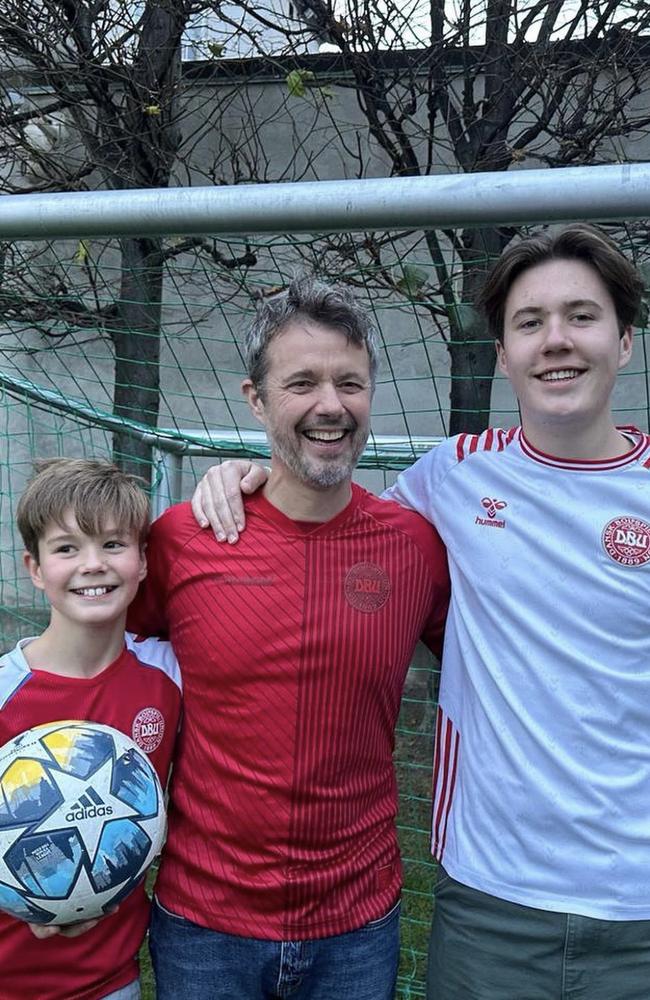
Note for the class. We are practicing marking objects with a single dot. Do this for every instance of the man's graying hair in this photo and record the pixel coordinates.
(308, 300)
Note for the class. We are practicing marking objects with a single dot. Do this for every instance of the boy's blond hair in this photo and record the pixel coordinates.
(92, 489)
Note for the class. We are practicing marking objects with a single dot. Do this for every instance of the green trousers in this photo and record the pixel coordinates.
(485, 948)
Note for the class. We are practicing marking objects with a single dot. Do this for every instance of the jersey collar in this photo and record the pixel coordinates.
(303, 529)
(639, 440)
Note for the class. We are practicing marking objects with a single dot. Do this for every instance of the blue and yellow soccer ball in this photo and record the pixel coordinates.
(82, 817)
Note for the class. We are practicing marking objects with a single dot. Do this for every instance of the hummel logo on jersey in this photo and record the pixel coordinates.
(491, 506)
(89, 806)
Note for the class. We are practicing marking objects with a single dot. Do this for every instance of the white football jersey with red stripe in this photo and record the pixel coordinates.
(542, 767)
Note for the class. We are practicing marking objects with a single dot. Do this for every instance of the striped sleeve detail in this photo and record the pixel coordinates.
(445, 762)
(493, 439)
(154, 652)
(646, 441)
(14, 672)
(466, 445)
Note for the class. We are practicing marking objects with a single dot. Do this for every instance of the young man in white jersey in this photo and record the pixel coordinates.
(541, 817)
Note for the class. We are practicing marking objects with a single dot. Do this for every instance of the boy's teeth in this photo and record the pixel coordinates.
(92, 591)
(565, 373)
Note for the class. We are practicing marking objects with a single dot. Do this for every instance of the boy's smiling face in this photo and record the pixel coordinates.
(562, 349)
(88, 579)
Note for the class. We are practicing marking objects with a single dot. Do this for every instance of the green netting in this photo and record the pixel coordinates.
(64, 319)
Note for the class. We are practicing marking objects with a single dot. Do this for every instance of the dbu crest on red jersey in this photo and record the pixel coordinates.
(367, 587)
(148, 729)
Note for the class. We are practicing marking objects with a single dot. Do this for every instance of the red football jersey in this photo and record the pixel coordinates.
(294, 645)
(142, 685)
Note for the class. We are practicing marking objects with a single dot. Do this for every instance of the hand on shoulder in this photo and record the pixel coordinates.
(217, 500)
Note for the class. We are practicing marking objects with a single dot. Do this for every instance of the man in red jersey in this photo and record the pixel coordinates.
(281, 875)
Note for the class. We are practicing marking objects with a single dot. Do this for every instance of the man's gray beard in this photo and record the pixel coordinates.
(321, 477)
(324, 479)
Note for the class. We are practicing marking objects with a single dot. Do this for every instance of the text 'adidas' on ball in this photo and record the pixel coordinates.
(82, 817)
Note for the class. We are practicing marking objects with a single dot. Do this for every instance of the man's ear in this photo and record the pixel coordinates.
(625, 347)
(33, 568)
(254, 399)
(501, 357)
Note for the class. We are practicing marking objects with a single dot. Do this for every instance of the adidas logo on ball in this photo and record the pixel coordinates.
(89, 806)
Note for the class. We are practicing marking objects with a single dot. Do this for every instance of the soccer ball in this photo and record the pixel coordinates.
(82, 817)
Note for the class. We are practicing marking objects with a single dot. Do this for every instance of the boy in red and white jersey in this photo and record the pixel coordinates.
(84, 524)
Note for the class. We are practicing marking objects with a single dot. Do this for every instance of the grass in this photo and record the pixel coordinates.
(146, 975)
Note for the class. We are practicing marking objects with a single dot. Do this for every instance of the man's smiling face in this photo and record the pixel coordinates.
(562, 348)
(315, 403)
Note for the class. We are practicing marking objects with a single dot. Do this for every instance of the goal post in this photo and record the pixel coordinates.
(164, 392)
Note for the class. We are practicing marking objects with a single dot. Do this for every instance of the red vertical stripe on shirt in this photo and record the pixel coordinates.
(444, 779)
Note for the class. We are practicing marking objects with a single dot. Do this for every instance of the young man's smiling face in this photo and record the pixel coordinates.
(315, 403)
(88, 579)
(562, 350)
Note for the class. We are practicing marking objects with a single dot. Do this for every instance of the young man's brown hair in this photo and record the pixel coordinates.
(91, 489)
(579, 241)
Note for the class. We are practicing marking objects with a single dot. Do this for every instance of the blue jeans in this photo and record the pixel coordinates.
(190, 960)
